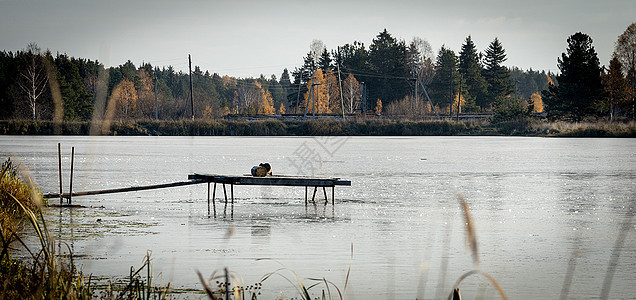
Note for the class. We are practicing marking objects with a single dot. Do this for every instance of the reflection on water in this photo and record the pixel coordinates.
(547, 212)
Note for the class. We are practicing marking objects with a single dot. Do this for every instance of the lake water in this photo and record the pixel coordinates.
(540, 207)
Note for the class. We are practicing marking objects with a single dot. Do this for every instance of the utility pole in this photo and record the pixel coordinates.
(313, 98)
(450, 105)
(311, 92)
(429, 98)
(363, 98)
(459, 96)
(341, 100)
(156, 110)
(416, 80)
(191, 94)
(299, 85)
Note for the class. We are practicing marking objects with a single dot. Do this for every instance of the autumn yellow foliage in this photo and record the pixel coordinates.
(378, 107)
(125, 97)
(462, 102)
(537, 103)
(317, 94)
(266, 105)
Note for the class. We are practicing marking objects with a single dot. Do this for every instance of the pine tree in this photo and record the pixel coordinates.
(580, 89)
(616, 87)
(77, 102)
(324, 62)
(388, 60)
(445, 83)
(285, 80)
(497, 76)
(470, 68)
(301, 75)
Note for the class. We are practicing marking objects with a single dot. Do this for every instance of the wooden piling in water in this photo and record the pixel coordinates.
(324, 190)
(208, 199)
(232, 195)
(70, 190)
(333, 195)
(59, 158)
(213, 197)
(225, 207)
(313, 198)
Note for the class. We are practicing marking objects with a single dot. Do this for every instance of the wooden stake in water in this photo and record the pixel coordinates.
(225, 207)
(232, 194)
(324, 190)
(59, 158)
(213, 196)
(70, 191)
(333, 195)
(227, 284)
(208, 199)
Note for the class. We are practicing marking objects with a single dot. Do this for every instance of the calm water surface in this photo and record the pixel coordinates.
(540, 207)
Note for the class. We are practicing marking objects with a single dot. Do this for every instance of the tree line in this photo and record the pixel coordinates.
(390, 76)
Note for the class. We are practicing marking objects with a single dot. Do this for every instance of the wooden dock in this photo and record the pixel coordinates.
(272, 180)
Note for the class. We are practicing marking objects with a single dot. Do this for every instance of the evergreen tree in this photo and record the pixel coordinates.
(470, 68)
(616, 88)
(353, 58)
(388, 60)
(77, 102)
(324, 62)
(445, 83)
(8, 74)
(285, 80)
(580, 89)
(497, 76)
(301, 75)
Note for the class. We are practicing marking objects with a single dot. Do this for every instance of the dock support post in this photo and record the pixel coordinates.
(208, 199)
(213, 197)
(59, 158)
(333, 195)
(324, 191)
(313, 198)
(305, 195)
(232, 194)
(225, 207)
(70, 190)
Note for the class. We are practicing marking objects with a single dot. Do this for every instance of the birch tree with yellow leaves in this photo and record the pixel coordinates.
(125, 96)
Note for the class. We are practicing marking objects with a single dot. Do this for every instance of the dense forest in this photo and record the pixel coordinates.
(390, 77)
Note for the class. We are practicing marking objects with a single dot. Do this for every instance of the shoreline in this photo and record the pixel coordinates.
(322, 127)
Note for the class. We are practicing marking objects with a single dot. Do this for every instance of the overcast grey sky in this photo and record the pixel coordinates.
(248, 38)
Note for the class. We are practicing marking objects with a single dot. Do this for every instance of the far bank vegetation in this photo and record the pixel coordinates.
(403, 81)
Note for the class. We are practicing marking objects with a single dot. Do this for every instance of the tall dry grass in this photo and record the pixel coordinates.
(44, 274)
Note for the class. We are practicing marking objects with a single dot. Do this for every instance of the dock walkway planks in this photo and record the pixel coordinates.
(271, 180)
(278, 180)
